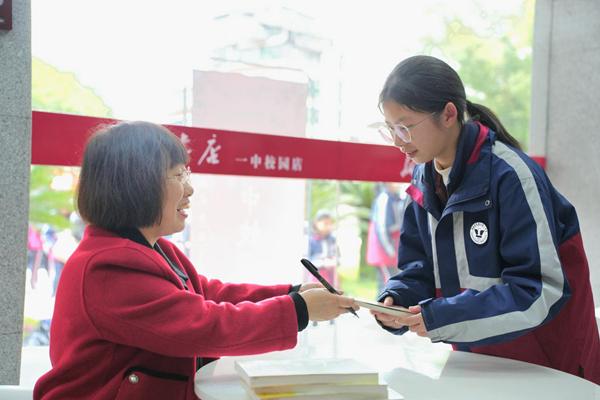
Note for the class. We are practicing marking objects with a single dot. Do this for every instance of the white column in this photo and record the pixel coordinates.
(565, 118)
(15, 158)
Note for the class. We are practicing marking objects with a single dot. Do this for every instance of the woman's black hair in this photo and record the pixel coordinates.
(427, 84)
(123, 173)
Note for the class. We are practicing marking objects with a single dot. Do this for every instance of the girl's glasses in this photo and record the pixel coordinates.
(401, 131)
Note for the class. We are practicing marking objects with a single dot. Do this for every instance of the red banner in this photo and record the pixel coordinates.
(59, 139)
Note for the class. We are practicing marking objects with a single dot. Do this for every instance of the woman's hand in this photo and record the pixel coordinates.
(414, 322)
(323, 306)
(309, 285)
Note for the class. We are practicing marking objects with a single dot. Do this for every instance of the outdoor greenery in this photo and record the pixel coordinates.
(358, 196)
(56, 91)
(48, 206)
(494, 63)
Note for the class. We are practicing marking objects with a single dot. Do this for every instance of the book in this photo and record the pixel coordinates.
(387, 394)
(322, 388)
(379, 307)
(321, 391)
(262, 373)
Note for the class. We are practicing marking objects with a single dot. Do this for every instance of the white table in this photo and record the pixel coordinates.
(412, 366)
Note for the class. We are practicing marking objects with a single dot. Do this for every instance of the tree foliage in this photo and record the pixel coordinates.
(494, 63)
(48, 206)
(56, 91)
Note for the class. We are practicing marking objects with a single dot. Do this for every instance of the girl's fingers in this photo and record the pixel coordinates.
(388, 301)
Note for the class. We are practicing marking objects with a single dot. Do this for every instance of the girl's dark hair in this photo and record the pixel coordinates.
(122, 178)
(427, 84)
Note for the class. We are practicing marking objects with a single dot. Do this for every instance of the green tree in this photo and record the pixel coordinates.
(48, 206)
(494, 62)
(56, 91)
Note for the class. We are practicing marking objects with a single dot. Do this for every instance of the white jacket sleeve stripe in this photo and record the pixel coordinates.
(433, 223)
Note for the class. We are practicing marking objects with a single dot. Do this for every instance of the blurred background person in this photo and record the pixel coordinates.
(322, 247)
(35, 253)
(384, 230)
(65, 244)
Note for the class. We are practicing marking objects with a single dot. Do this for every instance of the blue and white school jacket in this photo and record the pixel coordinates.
(500, 269)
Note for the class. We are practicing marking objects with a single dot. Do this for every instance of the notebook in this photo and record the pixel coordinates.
(392, 310)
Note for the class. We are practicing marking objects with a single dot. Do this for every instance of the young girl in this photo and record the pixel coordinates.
(323, 248)
(491, 257)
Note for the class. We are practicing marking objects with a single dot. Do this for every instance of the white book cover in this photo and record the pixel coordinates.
(261, 373)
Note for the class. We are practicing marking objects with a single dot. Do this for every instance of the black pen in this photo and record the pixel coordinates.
(315, 272)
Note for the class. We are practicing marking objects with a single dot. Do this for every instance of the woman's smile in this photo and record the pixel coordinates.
(182, 208)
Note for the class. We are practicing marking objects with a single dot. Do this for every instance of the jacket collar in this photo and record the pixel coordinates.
(134, 235)
(470, 175)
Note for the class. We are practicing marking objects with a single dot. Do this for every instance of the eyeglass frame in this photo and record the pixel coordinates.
(182, 177)
(388, 132)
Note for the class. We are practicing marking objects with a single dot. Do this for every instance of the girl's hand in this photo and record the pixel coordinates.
(414, 322)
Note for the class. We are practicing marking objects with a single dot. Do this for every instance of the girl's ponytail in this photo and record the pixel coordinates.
(426, 84)
(488, 118)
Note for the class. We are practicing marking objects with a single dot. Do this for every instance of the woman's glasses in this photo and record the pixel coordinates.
(183, 177)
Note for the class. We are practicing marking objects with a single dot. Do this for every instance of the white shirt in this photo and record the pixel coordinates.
(445, 173)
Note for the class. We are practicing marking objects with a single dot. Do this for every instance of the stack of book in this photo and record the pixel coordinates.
(297, 379)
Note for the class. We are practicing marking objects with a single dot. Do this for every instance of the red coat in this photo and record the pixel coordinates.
(124, 327)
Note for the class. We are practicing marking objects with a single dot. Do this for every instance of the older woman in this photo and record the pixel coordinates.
(133, 319)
